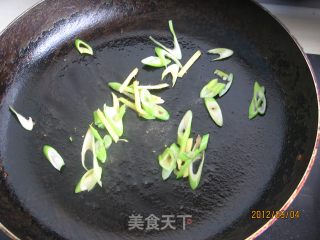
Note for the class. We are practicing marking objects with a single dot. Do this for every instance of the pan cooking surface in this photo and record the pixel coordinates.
(61, 97)
(247, 162)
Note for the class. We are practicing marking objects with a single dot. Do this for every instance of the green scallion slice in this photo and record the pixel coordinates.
(83, 47)
(214, 111)
(184, 130)
(194, 179)
(54, 157)
(258, 103)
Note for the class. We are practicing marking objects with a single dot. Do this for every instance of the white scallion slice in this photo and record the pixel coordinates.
(153, 61)
(25, 123)
(155, 87)
(83, 47)
(87, 182)
(86, 146)
(162, 54)
(54, 157)
(228, 85)
(214, 111)
(191, 61)
(221, 74)
(222, 52)
(173, 69)
(176, 51)
(128, 80)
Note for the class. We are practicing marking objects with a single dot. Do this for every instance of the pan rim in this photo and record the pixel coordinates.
(306, 174)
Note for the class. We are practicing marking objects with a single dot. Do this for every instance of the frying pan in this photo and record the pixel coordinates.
(250, 165)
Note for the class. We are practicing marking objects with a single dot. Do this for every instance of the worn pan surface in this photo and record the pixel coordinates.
(250, 165)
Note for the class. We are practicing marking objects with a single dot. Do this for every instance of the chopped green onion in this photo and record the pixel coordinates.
(108, 126)
(54, 157)
(107, 140)
(133, 107)
(214, 111)
(222, 52)
(167, 160)
(221, 74)
(87, 182)
(116, 86)
(93, 176)
(86, 146)
(194, 179)
(101, 151)
(137, 99)
(95, 133)
(176, 51)
(212, 89)
(151, 108)
(203, 144)
(25, 123)
(99, 145)
(116, 104)
(83, 47)
(162, 54)
(153, 61)
(228, 85)
(154, 87)
(258, 103)
(97, 120)
(191, 61)
(128, 80)
(173, 69)
(184, 130)
(114, 118)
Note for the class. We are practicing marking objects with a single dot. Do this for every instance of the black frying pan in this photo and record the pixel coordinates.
(250, 165)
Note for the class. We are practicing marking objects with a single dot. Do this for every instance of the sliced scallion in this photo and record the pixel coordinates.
(184, 130)
(151, 108)
(258, 103)
(87, 182)
(25, 123)
(214, 111)
(154, 87)
(108, 126)
(128, 80)
(54, 157)
(107, 140)
(194, 179)
(176, 51)
(173, 69)
(191, 61)
(137, 99)
(228, 85)
(222, 52)
(162, 54)
(99, 145)
(221, 74)
(153, 61)
(133, 107)
(83, 47)
(212, 89)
